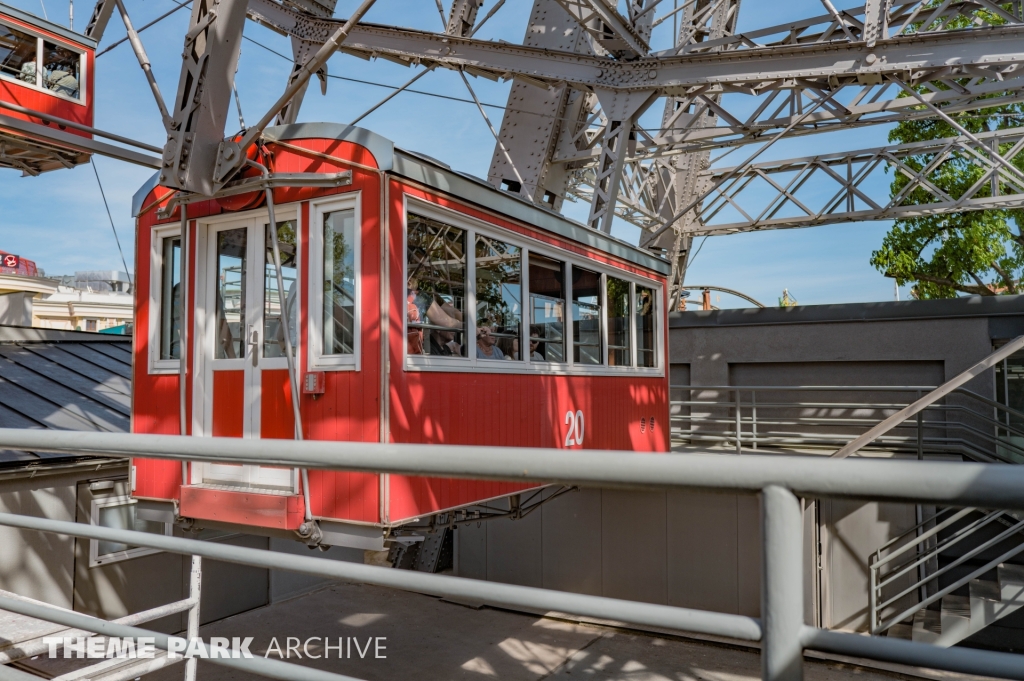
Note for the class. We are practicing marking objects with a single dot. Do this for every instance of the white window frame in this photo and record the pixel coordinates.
(318, 361)
(96, 560)
(38, 85)
(528, 244)
(156, 283)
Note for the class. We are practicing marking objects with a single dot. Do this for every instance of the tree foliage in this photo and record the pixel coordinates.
(974, 252)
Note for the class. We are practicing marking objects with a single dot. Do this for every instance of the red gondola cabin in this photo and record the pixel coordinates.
(424, 305)
(44, 69)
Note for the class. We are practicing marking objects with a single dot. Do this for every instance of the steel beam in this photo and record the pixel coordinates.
(539, 119)
(616, 34)
(997, 46)
(832, 188)
(782, 588)
(209, 62)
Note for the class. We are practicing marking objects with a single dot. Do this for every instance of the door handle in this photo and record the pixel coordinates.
(254, 345)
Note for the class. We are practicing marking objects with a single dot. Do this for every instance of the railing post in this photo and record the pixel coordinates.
(192, 631)
(739, 422)
(782, 589)
(873, 594)
(753, 418)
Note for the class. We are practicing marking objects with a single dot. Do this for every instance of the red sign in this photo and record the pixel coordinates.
(11, 261)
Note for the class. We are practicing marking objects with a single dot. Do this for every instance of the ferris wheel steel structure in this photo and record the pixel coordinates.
(586, 73)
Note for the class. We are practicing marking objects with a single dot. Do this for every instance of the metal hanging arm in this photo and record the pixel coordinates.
(232, 154)
(140, 53)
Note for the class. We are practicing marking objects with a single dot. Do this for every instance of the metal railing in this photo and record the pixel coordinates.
(781, 631)
(786, 418)
(917, 550)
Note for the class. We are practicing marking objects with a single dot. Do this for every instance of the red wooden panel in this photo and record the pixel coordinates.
(228, 403)
(277, 421)
(157, 479)
(275, 511)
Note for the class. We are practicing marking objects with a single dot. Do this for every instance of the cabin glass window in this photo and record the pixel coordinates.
(231, 277)
(646, 355)
(170, 299)
(61, 70)
(617, 321)
(586, 317)
(273, 329)
(436, 288)
(547, 309)
(18, 54)
(339, 285)
(499, 299)
(119, 513)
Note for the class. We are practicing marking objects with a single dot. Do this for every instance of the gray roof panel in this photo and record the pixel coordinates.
(62, 380)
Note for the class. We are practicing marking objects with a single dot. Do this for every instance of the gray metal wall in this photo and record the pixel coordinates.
(686, 549)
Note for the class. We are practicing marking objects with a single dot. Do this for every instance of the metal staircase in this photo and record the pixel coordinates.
(956, 597)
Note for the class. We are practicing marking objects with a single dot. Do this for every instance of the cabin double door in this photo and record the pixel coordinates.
(246, 390)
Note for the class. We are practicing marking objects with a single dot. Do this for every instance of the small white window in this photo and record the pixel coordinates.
(335, 288)
(120, 513)
(165, 301)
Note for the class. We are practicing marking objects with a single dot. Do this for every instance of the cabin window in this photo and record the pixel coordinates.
(61, 68)
(528, 309)
(119, 513)
(273, 329)
(334, 252)
(339, 302)
(18, 54)
(231, 278)
(499, 299)
(170, 298)
(435, 288)
(586, 317)
(547, 309)
(646, 354)
(617, 320)
(22, 53)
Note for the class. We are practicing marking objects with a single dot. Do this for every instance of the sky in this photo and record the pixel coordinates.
(59, 220)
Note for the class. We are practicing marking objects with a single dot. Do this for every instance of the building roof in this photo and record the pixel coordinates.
(970, 306)
(63, 380)
(442, 177)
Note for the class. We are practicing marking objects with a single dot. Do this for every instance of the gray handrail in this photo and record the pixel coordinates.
(935, 395)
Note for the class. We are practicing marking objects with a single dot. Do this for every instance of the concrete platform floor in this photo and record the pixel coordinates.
(427, 638)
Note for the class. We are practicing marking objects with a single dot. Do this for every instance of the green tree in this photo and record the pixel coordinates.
(977, 252)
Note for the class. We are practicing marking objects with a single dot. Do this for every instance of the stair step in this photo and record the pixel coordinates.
(903, 631)
(955, 618)
(1011, 583)
(986, 590)
(927, 626)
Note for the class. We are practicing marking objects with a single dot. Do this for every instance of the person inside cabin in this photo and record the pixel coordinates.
(60, 78)
(535, 354)
(415, 334)
(509, 347)
(487, 344)
(28, 72)
(439, 314)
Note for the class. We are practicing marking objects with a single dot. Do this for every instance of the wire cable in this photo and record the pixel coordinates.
(160, 18)
(370, 82)
(111, 218)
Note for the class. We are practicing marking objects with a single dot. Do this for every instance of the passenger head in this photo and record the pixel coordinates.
(485, 337)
